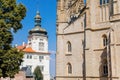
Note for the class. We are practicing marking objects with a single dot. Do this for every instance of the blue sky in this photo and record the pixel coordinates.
(47, 10)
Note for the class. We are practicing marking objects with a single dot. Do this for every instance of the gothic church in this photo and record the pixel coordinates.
(88, 40)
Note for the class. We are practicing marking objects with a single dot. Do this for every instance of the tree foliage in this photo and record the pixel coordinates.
(38, 74)
(11, 15)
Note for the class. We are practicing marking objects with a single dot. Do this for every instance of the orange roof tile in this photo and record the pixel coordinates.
(21, 47)
(29, 49)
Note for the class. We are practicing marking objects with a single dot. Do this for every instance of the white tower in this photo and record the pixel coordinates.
(36, 51)
(38, 38)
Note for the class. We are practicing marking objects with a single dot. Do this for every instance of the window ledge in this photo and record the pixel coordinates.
(100, 49)
(68, 54)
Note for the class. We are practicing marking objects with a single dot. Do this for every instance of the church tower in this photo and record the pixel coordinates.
(69, 55)
(88, 40)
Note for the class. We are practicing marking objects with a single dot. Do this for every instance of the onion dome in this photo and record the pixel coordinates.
(38, 29)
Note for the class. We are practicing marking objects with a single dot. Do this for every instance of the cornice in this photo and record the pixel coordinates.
(97, 29)
(70, 33)
(91, 29)
(86, 77)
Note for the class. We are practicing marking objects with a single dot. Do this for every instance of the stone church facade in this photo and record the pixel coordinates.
(88, 40)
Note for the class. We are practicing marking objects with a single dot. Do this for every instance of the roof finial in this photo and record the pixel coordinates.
(37, 19)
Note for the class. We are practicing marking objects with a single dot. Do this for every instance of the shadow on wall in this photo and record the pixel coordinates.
(103, 69)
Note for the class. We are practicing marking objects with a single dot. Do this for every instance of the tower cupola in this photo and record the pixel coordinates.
(37, 28)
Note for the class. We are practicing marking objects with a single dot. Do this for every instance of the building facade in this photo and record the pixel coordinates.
(36, 51)
(88, 40)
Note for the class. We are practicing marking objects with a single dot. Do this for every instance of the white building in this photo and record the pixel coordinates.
(36, 51)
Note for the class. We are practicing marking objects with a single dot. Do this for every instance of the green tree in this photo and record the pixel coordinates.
(11, 15)
(37, 73)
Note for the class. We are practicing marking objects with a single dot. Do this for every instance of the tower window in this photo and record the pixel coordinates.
(105, 68)
(41, 39)
(69, 46)
(69, 66)
(42, 68)
(100, 2)
(29, 70)
(104, 2)
(29, 56)
(41, 57)
(41, 46)
(105, 40)
(107, 1)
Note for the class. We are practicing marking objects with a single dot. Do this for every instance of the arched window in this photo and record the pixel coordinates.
(105, 68)
(69, 68)
(69, 46)
(105, 40)
(100, 2)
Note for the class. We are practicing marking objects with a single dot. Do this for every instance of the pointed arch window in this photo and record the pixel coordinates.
(105, 68)
(69, 67)
(69, 46)
(105, 40)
